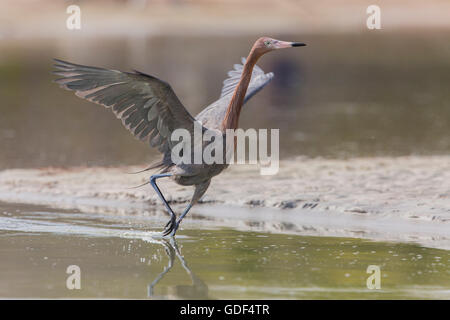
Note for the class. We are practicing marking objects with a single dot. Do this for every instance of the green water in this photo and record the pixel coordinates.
(118, 258)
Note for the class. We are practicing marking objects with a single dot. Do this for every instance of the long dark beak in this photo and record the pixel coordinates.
(287, 44)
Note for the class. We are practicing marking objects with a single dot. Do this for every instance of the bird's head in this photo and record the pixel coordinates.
(266, 44)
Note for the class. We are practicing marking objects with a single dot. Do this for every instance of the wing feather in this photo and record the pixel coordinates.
(147, 106)
(213, 115)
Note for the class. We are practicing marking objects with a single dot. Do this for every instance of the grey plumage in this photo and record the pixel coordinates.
(147, 106)
(151, 111)
(213, 115)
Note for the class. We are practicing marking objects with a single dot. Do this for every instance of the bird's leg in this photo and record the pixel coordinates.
(172, 222)
(177, 224)
(199, 191)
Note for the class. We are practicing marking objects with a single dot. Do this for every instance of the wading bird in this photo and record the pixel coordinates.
(149, 108)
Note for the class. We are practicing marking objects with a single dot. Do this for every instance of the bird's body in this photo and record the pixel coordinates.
(149, 108)
(211, 117)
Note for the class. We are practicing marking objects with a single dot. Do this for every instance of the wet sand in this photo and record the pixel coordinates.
(392, 199)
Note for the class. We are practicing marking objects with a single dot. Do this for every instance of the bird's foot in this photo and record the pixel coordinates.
(170, 227)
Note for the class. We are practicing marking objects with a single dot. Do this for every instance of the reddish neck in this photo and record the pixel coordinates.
(231, 119)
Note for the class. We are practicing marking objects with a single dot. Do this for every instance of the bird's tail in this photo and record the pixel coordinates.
(154, 165)
(141, 185)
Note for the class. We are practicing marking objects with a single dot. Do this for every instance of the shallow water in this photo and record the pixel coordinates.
(344, 95)
(119, 258)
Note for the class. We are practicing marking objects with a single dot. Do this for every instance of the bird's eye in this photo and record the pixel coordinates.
(267, 43)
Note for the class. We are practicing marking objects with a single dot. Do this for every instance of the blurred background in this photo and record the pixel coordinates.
(352, 92)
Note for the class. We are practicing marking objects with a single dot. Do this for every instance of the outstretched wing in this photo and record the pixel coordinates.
(213, 115)
(147, 106)
(258, 81)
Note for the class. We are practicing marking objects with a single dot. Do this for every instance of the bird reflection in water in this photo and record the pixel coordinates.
(198, 289)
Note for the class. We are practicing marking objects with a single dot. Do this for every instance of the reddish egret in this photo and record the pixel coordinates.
(149, 108)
